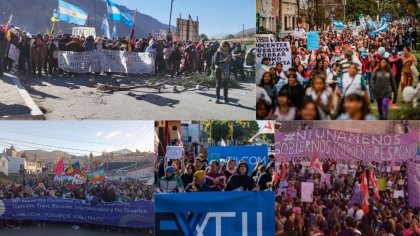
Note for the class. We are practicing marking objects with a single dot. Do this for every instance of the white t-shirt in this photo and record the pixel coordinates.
(350, 87)
(289, 116)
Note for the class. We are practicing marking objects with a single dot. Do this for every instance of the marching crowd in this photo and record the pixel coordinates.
(342, 78)
(199, 175)
(336, 208)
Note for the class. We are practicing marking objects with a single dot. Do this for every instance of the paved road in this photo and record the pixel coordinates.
(66, 230)
(73, 98)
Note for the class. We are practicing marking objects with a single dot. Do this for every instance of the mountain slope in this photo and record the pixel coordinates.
(34, 16)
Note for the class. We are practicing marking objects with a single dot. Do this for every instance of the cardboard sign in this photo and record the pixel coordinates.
(398, 193)
(14, 53)
(278, 52)
(174, 152)
(84, 31)
(307, 192)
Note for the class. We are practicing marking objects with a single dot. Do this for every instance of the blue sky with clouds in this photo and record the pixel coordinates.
(215, 16)
(77, 137)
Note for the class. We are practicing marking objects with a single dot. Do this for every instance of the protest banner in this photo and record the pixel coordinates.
(103, 60)
(79, 62)
(381, 184)
(345, 146)
(248, 154)
(138, 214)
(84, 31)
(307, 192)
(211, 213)
(278, 52)
(396, 168)
(413, 174)
(174, 152)
(312, 41)
(398, 193)
(14, 53)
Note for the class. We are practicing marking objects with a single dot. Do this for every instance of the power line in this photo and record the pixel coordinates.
(73, 140)
(43, 148)
(53, 146)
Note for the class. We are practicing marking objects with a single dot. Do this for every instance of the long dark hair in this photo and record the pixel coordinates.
(261, 84)
(387, 67)
(354, 97)
(307, 101)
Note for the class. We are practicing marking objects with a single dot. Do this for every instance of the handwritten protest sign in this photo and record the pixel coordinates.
(278, 52)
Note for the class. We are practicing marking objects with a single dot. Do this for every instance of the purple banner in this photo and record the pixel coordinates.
(346, 146)
(413, 173)
(138, 214)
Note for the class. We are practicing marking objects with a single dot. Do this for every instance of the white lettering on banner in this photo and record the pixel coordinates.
(104, 60)
(278, 52)
(218, 218)
(252, 160)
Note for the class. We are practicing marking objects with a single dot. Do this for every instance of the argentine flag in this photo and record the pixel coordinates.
(114, 32)
(71, 14)
(338, 24)
(105, 27)
(117, 14)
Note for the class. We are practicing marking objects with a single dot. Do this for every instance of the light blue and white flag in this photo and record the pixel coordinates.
(114, 32)
(338, 24)
(71, 14)
(380, 29)
(117, 14)
(105, 27)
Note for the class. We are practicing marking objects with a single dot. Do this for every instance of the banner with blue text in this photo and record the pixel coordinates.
(211, 213)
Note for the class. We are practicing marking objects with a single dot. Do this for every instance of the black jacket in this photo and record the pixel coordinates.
(237, 181)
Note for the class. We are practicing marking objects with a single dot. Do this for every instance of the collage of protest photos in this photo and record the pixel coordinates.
(137, 117)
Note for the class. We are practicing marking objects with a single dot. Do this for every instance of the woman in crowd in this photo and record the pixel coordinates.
(383, 84)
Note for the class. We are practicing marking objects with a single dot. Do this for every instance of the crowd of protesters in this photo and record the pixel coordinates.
(39, 53)
(105, 191)
(91, 192)
(335, 210)
(199, 175)
(342, 78)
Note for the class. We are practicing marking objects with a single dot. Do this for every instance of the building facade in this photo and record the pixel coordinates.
(10, 162)
(277, 15)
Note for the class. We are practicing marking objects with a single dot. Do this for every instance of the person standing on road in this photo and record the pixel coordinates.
(222, 60)
(409, 60)
(24, 46)
(175, 60)
(38, 55)
(2, 50)
(238, 56)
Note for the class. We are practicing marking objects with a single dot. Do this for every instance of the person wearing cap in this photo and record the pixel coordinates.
(170, 183)
(238, 56)
(240, 180)
(214, 180)
(198, 182)
(222, 61)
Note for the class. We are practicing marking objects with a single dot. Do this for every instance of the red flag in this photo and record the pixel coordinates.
(60, 167)
(316, 164)
(267, 129)
(365, 193)
(374, 184)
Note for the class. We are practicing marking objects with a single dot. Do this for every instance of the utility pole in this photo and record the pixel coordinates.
(280, 16)
(344, 3)
(243, 32)
(170, 17)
